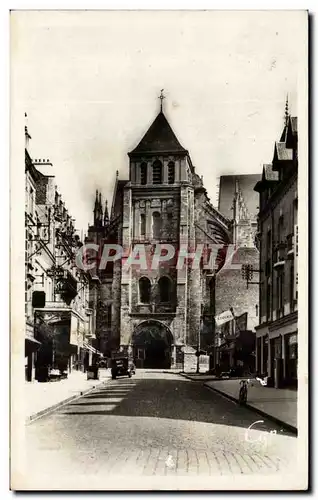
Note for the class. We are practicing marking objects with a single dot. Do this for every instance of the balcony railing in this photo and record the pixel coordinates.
(290, 240)
(279, 254)
(56, 305)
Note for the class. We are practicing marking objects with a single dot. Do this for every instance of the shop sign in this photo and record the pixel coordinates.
(224, 317)
(74, 331)
(293, 339)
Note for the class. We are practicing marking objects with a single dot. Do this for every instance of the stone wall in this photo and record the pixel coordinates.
(231, 290)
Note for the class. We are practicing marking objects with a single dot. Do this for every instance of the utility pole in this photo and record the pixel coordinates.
(198, 351)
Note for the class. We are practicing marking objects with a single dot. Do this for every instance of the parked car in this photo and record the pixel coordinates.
(122, 366)
(103, 363)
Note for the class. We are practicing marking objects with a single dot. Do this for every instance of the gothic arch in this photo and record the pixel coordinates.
(151, 342)
(144, 289)
(165, 285)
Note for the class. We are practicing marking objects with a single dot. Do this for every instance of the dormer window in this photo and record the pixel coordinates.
(143, 173)
(171, 174)
(157, 172)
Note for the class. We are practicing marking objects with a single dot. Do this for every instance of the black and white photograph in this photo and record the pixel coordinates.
(159, 250)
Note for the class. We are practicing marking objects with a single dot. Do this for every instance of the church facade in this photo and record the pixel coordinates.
(158, 311)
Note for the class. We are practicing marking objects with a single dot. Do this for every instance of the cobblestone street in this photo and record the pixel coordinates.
(155, 424)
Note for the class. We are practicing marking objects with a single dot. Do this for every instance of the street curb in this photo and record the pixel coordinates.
(50, 409)
(189, 377)
(288, 427)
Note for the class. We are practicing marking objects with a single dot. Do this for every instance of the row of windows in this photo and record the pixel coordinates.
(280, 295)
(156, 224)
(165, 290)
(157, 173)
(281, 229)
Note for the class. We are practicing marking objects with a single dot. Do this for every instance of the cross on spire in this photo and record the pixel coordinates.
(161, 97)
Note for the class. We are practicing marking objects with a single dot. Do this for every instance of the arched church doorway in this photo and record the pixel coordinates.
(152, 343)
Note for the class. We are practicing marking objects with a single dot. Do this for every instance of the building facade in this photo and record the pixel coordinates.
(277, 333)
(59, 322)
(236, 337)
(157, 312)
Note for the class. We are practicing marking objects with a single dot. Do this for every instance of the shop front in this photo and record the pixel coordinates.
(31, 347)
(284, 351)
(291, 359)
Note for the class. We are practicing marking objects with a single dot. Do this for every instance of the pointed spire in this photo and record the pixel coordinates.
(96, 209)
(100, 210)
(106, 216)
(286, 111)
(26, 132)
(96, 201)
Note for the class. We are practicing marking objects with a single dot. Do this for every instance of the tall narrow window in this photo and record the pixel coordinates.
(280, 293)
(156, 225)
(269, 243)
(268, 300)
(164, 289)
(109, 316)
(295, 213)
(280, 229)
(171, 172)
(143, 173)
(142, 225)
(157, 172)
(291, 287)
(144, 290)
(31, 201)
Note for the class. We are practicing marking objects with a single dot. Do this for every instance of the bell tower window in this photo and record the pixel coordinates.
(144, 290)
(143, 173)
(142, 225)
(157, 172)
(171, 174)
(164, 289)
(156, 225)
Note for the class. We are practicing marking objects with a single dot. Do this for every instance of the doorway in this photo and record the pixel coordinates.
(152, 345)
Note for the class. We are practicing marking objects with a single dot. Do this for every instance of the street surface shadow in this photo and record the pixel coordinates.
(178, 399)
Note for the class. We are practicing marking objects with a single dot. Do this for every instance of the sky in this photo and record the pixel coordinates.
(89, 83)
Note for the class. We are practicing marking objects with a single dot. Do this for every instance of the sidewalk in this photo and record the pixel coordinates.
(278, 404)
(201, 377)
(41, 397)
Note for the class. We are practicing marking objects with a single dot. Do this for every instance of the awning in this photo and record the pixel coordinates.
(91, 348)
(30, 338)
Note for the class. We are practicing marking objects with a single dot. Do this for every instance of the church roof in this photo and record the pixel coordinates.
(159, 138)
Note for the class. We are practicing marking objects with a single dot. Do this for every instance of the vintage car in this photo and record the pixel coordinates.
(121, 366)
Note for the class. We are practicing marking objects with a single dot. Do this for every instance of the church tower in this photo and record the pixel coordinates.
(158, 208)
